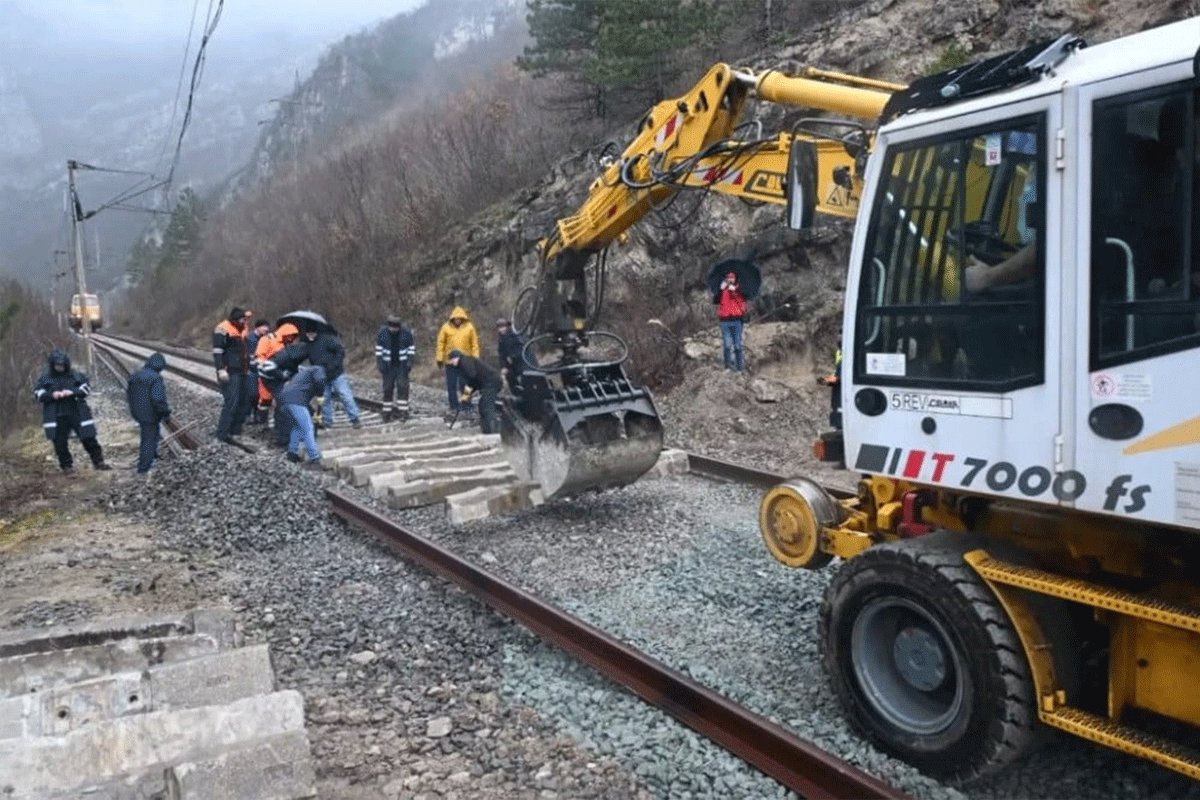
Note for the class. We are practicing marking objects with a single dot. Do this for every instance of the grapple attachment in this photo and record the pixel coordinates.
(586, 428)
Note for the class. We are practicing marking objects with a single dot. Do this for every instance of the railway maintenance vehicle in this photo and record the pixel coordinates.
(1020, 337)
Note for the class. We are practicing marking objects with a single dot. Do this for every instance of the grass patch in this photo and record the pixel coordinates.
(953, 56)
(14, 533)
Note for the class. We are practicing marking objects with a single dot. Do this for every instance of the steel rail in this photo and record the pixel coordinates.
(208, 383)
(705, 466)
(187, 439)
(192, 357)
(794, 762)
(730, 472)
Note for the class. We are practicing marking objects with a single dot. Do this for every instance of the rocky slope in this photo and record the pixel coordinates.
(659, 274)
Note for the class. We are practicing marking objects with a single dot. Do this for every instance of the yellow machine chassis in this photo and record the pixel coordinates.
(1154, 631)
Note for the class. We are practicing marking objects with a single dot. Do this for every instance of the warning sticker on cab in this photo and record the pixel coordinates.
(1126, 386)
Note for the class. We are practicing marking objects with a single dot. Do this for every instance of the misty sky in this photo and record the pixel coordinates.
(136, 21)
(97, 80)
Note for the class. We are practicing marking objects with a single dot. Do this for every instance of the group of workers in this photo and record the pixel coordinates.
(457, 354)
(258, 367)
(299, 363)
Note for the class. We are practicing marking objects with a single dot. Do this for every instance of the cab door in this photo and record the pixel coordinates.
(954, 365)
(1136, 417)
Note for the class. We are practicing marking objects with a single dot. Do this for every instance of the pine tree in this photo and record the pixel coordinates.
(621, 54)
(564, 33)
(182, 236)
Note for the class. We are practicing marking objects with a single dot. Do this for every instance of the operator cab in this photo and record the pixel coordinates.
(1023, 293)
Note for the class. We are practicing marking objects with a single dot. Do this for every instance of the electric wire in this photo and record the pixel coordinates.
(197, 71)
(121, 200)
(187, 49)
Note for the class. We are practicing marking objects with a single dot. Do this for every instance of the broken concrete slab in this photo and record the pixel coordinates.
(358, 471)
(279, 768)
(36, 671)
(147, 786)
(424, 473)
(670, 462)
(428, 492)
(487, 501)
(406, 471)
(347, 450)
(216, 679)
(215, 623)
(130, 745)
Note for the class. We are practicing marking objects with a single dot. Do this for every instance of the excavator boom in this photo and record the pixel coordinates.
(578, 422)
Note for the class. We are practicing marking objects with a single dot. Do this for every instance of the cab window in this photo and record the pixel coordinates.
(1145, 294)
(951, 293)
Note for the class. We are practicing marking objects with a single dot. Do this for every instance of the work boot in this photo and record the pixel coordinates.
(295, 459)
(386, 416)
(356, 424)
(68, 470)
(102, 466)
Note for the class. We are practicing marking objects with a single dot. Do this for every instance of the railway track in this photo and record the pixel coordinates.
(771, 748)
(421, 463)
(180, 436)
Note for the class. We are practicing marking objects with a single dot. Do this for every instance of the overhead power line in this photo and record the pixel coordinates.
(187, 50)
(197, 71)
(149, 181)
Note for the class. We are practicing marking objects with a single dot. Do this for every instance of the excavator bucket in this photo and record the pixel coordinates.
(589, 429)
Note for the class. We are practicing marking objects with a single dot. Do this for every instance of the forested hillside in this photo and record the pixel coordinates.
(440, 199)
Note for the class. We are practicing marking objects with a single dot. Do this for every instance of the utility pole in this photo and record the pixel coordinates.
(60, 315)
(55, 277)
(85, 322)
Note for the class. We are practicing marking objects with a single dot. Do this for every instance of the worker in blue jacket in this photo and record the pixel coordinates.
(296, 394)
(395, 351)
(275, 372)
(147, 395)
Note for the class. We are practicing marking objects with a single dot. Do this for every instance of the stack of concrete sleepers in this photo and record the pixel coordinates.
(154, 707)
(422, 463)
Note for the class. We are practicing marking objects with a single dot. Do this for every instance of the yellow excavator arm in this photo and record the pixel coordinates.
(693, 142)
(577, 421)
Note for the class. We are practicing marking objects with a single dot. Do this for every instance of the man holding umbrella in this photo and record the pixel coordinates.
(730, 295)
(325, 349)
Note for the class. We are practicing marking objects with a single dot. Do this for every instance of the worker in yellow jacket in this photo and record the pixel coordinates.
(456, 334)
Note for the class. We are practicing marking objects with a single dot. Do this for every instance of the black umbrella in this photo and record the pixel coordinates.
(307, 321)
(748, 275)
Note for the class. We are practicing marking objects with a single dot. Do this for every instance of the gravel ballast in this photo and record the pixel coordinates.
(414, 689)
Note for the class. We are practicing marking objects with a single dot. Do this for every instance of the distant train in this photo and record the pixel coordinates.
(75, 317)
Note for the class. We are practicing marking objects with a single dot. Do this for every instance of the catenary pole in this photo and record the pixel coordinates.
(85, 322)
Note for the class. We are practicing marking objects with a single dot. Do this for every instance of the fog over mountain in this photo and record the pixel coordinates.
(96, 81)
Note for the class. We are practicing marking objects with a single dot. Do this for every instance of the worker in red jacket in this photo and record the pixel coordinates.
(731, 312)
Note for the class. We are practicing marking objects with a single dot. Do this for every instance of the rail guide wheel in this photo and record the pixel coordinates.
(924, 660)
(791, 517)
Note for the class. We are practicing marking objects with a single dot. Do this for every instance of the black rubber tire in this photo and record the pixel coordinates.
(995, 722)
(524, 311)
